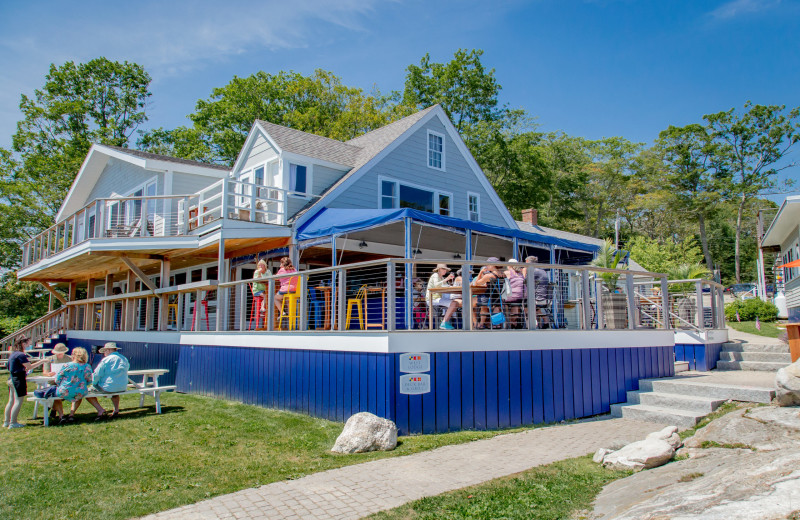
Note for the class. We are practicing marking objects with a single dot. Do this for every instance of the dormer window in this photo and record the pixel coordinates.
(435, 150)
(298, 179)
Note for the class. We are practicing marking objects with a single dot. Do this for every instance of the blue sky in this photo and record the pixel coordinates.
(591, 68)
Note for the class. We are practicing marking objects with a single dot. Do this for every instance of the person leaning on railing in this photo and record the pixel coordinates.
(18, 366)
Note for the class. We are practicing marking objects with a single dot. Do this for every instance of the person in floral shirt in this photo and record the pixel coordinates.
(73, 382)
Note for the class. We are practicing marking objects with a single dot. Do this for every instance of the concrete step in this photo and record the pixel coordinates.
(755, 347)
(681, 366)
(680, 418)
(762, 366)
(701, 405)
(771, 357)
(687, 387)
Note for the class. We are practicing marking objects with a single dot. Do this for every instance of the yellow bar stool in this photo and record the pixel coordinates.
(358, 304)
(291, 300)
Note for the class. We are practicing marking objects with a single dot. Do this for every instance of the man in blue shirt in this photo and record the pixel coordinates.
(110, 376)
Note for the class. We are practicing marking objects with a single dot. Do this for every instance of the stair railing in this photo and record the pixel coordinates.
(39, 330)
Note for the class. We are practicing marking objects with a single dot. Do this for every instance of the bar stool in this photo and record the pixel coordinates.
(356, 303)
(172, 314)
(255, 312)
(204, 302)
(290, 300)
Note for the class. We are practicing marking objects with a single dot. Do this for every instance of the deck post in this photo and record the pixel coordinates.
(586, 301)
(270, 297)
(408, 290)
(185, 217)
(391, 295)
(598, 293)
(530, 282)
(107, 322)
(301, 302)
(163, 306)
(88, 314)
(665, 302)
(130, 304)
(222, 277)
(629, 291)
(721, 304)
(71, 309)
(243, 316)
(341, 298)
(701, 322)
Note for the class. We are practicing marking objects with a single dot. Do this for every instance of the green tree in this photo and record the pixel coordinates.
(319, 104)
(692, 174)
(752, 144)
(664, 257)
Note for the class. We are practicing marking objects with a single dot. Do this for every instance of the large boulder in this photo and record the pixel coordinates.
(640, 455)
(668, 434)
(366, 432)
(762, 428)
(787, 381)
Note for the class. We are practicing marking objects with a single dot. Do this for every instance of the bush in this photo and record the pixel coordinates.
(750, 309)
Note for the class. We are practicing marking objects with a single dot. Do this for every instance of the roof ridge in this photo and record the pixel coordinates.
(260, 121)
(146, 154)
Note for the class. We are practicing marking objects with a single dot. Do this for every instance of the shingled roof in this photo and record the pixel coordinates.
(311, 145)
(167, 158)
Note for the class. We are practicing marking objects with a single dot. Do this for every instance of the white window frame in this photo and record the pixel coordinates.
(397, 184)
(309, 179)
(477, 196)
(428, 150)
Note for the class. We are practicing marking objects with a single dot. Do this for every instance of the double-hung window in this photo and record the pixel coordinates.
(474, 207)
(435, 150)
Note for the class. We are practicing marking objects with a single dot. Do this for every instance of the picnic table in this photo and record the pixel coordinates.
(148, 385)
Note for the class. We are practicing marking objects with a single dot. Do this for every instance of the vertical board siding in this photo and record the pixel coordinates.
(469, 390)
(700, 357)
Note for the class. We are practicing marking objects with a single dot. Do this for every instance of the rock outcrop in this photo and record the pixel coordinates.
(764, 429)
(366, 432)
(787, 381)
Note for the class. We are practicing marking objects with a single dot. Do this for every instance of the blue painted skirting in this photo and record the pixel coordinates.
(141, 355)
(469, 390)
(700, 357)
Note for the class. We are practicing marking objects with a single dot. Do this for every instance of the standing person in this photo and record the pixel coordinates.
(110, 376)
(18, 366)
(72, 384)
(260, 288)
(288, 284)
(542, 289)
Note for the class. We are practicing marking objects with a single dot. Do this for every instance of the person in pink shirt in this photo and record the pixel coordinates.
(288, 284)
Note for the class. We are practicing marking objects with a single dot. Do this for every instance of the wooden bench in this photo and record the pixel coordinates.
(47, 403)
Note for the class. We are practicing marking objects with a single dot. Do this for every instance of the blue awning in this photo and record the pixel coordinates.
(334, 221)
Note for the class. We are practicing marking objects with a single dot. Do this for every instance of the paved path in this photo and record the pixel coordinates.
(361, 489)
(738, 337)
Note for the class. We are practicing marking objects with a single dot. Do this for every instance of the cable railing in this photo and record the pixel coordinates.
(397, 295)
(684, 310)
(163, 216)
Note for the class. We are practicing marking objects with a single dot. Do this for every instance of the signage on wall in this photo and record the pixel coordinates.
(415, 362)
(413, 384)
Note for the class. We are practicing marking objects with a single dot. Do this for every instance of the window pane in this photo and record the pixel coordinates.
(416, 199)
(387, 189)
(444, 205)
(298, 178)
(259, 176)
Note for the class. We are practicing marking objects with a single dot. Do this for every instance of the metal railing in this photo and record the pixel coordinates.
(39, 330)
(684, 310)
(160, 216)
(392, 295)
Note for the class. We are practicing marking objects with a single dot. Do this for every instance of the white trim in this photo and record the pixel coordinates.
(471, 194)
(398, 342)
(288, 162)
(686, 337)
(428, 149)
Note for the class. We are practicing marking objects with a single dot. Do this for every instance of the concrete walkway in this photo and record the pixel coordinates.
(738, 337)
(356, 491)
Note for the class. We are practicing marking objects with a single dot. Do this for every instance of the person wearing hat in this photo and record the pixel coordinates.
(110, 376)
(59, 357)
(72, 384)
(441, 277)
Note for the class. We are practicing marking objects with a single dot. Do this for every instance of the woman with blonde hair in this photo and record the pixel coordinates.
(72, 384)
(260, 288)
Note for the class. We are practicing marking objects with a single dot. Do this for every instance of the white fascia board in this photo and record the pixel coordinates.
(473, 164)
(91, 159)
(396, 342)
(163, 166)
(362, 170)
(244, 153)
(787, 217)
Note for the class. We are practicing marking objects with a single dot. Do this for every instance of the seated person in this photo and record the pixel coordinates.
(489, 303)
(455, 303)
(72, 384)
(259, 288)
(516, 281)
(542, 290)
(441, 277)
(59, 357)
(110, 376)
(288, 284)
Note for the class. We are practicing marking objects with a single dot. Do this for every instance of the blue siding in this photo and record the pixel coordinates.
(699, 357)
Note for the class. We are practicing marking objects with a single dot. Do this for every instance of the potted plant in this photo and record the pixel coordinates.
(615, 303)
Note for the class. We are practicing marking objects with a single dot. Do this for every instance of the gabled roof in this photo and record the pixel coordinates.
(311, 145)
(558, 233)
(98, 157)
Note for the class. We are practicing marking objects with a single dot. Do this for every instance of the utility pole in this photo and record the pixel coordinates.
(616, 232)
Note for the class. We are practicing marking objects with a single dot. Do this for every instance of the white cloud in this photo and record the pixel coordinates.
(736, 8)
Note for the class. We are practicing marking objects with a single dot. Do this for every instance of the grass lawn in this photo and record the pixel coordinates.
(143, 463)
(559, 490)
(769, 330)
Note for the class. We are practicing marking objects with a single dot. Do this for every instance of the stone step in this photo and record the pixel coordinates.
(772, 357)
(703, 405)
(755, 347)
(681, 366)
(761, 366)
(712, 390)
(680, 418)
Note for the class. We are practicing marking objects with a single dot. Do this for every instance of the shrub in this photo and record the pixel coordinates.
(750, 309)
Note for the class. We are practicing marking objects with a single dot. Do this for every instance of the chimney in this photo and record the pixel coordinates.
(530, 216)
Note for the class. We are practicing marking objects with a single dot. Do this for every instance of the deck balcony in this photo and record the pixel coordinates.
(157, 223)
